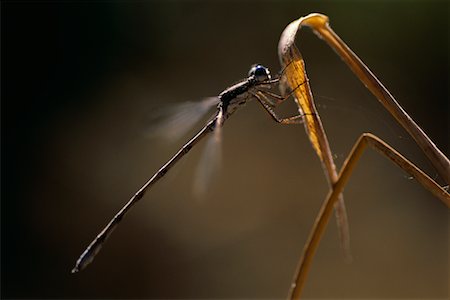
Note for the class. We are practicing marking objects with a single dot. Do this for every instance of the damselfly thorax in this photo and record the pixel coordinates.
(237, 95)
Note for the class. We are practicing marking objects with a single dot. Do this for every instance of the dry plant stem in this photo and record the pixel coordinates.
(319, 23)
(291, 58)
(324, 215)
(95, 246)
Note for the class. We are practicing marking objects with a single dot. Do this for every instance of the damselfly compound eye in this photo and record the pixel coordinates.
(260, 73)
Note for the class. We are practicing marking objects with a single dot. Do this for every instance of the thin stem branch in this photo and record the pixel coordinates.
(326, 209)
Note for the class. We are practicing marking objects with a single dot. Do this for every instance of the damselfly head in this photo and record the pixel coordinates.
(259, 73)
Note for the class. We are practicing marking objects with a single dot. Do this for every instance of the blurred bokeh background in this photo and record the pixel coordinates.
(80, 81)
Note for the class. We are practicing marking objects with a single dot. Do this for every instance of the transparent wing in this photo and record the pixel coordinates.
(173, 122)
(210, 161)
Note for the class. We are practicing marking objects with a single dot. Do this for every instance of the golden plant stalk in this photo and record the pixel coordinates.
(292, 61)
(294, 70)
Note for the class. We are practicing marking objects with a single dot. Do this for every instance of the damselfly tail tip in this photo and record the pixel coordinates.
(82, 262)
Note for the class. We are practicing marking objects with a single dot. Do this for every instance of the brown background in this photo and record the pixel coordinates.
(79, 82)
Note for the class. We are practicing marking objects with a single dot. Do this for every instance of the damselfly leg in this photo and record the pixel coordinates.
(264, 98)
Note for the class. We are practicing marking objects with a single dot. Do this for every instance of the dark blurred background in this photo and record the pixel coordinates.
(81, 79)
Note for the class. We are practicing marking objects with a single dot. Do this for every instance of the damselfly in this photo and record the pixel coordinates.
(256, 86)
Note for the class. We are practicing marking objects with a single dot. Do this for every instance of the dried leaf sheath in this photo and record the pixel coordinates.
(294, 66)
